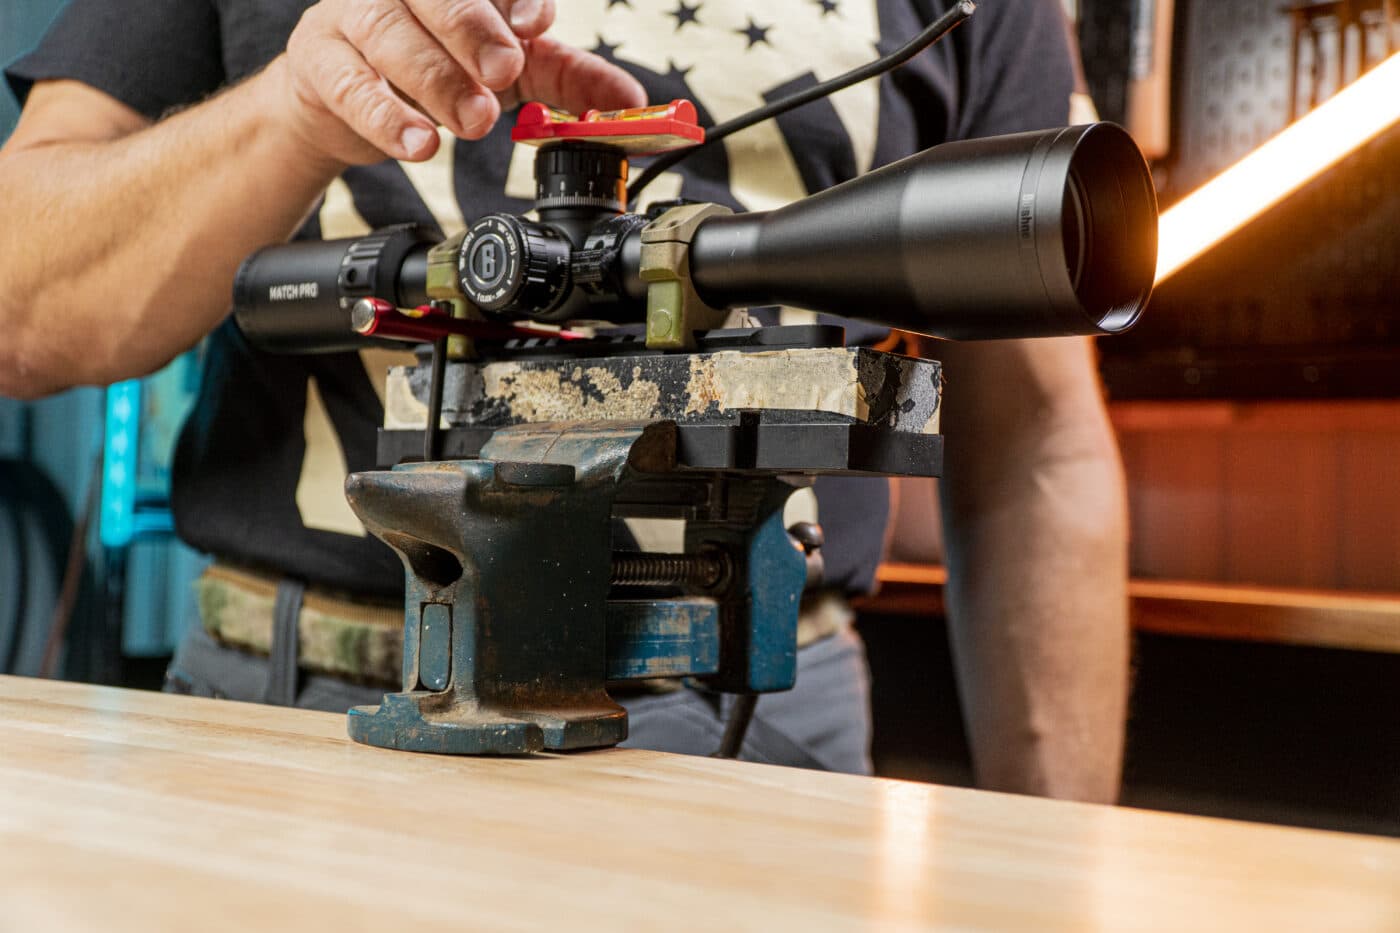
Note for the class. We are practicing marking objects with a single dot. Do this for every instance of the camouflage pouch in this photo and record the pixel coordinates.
(357, 640)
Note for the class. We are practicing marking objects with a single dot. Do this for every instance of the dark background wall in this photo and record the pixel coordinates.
(1305, 301)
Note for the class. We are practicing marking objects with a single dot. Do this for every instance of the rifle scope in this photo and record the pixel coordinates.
(1039, 234)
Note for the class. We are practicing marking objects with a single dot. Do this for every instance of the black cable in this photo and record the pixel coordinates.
(35, 508)
(431, 429)
(936, 30)
(26, 432)
(68, 595)
(19, 560)
(737, 726)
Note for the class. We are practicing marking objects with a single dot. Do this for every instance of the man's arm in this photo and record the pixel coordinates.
(1035, 523)
(122, 237)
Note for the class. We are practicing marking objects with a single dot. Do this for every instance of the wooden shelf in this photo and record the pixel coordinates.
(1280, 615)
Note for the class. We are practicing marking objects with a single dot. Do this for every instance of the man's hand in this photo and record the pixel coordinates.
(369, 78)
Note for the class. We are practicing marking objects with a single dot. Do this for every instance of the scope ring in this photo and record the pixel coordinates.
(674, 309)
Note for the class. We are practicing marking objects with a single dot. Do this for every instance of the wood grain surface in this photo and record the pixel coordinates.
(132, 811)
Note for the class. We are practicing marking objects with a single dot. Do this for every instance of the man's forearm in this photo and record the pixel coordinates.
(118, 253)
(1040, 632)
(1035, 517)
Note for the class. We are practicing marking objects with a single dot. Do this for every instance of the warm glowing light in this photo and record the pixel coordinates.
(1227, 202)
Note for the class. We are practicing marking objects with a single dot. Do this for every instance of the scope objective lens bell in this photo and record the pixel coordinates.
(1029, 235)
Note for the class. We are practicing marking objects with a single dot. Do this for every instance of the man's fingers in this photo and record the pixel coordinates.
(357, 95)
(398, 47)
(480, 111)
(477, 36)
(383, 68)
(574, 80)
(527, 18)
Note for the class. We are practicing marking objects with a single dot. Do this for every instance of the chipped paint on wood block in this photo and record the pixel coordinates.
(402, 409)
(858, 384)
(583, 392)
(804, 380)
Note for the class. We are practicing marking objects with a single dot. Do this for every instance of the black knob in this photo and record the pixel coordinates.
(808, 536)
(581, 175)
(597, 269)
(511, 268)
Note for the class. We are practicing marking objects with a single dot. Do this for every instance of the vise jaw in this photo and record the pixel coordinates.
(512, 625)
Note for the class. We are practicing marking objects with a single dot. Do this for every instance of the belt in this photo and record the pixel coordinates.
(362, 640)
(354, 638)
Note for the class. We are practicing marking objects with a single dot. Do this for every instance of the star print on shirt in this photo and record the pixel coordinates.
(604, 49)
(828, 6)
(755, 33)
(690, 48)
(613, 3)
(685, 14)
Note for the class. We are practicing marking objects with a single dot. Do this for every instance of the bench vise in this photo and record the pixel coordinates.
(525, 596)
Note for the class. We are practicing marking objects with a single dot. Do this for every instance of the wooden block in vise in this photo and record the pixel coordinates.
(855, 383)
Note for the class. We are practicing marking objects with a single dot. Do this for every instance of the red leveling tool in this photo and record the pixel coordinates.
(639, 131)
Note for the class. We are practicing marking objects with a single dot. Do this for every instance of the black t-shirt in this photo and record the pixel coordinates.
(261, 460)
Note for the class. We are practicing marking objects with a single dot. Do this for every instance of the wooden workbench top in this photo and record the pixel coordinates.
(134, 811)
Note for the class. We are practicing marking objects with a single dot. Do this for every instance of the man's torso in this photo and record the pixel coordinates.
(261, 467)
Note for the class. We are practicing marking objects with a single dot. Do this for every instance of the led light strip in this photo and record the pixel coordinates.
(1234, 197)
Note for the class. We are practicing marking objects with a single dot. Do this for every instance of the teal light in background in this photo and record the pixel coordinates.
(142, 425)
(120, 442)
(131, 509)
(143, 418)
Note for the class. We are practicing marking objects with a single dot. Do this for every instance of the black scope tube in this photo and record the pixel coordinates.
(1028, 235)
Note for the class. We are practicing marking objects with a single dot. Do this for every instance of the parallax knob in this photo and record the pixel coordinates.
(510, 267)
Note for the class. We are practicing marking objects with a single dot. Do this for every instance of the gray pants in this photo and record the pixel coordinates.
(824, 722)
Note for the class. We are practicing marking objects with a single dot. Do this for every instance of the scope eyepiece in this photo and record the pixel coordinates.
(298, 297)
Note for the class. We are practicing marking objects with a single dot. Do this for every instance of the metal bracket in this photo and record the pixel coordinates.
(443, 287)
(674, 310)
